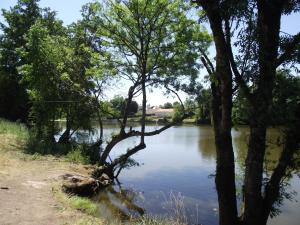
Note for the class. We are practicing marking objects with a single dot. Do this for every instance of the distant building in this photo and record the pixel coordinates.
(159, 112)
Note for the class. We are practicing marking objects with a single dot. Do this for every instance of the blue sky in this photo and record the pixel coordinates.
(69, 11)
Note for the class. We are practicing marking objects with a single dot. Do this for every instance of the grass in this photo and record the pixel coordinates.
(76, 156)
(83, 204)
(13, 128)
(79, 203)
(16, 139)
(93, 214)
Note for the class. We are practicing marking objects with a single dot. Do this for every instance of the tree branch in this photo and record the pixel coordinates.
(289, 49)
(238, 77)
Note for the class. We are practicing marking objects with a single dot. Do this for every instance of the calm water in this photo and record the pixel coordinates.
(177, 167)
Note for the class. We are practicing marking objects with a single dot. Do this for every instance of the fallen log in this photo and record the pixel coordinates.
(84, 186)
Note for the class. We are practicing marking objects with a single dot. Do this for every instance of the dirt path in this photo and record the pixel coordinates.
(26, 195)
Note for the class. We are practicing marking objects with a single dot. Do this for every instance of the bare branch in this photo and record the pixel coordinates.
(208, 62)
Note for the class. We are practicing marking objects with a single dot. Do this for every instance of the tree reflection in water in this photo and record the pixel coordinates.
(117, 202)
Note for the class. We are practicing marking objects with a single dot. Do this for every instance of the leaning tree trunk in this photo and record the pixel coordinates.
(269, 14)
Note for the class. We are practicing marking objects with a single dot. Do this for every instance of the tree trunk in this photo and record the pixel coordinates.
(64, 138)
(221, 85)
(268, 23)
(291, 146)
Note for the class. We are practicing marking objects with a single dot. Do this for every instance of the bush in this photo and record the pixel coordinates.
(45, 147)
(74, 152)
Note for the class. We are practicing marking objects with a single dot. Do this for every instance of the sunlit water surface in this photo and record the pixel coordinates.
(175, 176)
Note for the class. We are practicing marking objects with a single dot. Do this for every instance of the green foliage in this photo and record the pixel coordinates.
(119, 104)
(198, 106)
(19, 20)
(178, 113)
(167, 105)
(154, 38)
(83, 153)
(57, 80)
(203, 101)
(73, 152)
(240, 110)
(46, 147)
(286, 96)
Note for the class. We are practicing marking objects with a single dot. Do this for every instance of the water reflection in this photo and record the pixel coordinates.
(206, 140)
(180, 161)
(199, 196)
(119, 202)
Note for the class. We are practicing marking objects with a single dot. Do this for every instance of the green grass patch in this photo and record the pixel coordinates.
(83, 204)
(76, 156)
(13, 128)
(79, 203)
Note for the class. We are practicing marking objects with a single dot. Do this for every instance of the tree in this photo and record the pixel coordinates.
(57, 81)
(19, 19)
(203, 109)
(167, 105)
(285, 93)
(119, 104)
(133, 108)
(262, 50)
(13, 96)
(152, 45)
(42, 75)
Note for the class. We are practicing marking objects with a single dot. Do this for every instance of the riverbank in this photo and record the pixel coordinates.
(35, 180)
(32, 180)
(149, 120)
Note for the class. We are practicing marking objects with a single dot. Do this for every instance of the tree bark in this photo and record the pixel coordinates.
(268, 23)
(221, 85)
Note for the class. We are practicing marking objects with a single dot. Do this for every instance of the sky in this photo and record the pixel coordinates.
(69, 11)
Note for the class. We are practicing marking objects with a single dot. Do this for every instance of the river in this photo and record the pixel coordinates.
(176, 176)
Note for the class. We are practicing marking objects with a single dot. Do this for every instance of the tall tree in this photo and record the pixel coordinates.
(221, 87)
(262, 51)
(18, 20)
(151, 44)
(58, 81)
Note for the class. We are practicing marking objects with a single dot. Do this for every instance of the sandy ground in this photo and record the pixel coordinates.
(26, 189)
